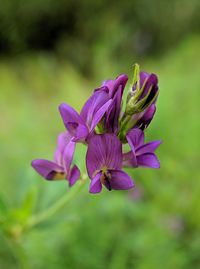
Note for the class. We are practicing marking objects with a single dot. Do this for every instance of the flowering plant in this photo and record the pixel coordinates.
(104, 128)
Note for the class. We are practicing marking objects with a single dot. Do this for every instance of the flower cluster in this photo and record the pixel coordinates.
(105, 128)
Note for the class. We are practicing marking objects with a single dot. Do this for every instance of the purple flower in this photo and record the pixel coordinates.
(116, 89)
(150, 84)
(116, 85)
(141, 154)
(103, 127)
(60, 168)
(83, 125)
(104, 164)
(144, 118)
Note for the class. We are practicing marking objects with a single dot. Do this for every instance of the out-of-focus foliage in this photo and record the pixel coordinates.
(80, 30)
(46, 47)
(156, 225)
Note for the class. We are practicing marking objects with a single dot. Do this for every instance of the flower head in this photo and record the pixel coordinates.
(104, 164)
(104, 127)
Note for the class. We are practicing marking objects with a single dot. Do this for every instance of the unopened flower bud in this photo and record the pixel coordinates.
(143, 93)
(146, 117)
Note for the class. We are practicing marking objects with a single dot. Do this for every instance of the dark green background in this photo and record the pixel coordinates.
(59, 51)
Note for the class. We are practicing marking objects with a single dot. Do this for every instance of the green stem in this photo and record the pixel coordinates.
(40, 217)
(125, 120)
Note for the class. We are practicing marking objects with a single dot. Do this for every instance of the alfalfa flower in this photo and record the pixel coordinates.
(104, 164)
(83, 125)
(61, 167)
(103, 127)
(115, 87)
(141, 154)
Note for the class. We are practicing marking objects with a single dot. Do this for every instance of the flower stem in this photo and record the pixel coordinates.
(40, 217)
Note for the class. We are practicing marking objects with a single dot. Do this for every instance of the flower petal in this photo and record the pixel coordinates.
(68, 156)
(62, 140)
(147, 117)
(116, 84)
(116, 88)
(48, 169)
(74, 175)
(120, 180)
(129, 160)
(73, 122)
(81, 134)
(93, 104)
(148, 160)
(143, 77)
(148, 148)
(69, 114)
(95, 185)
(135, 138)
(103, 151)
(150, 81)
(99, 114)
(112, 115)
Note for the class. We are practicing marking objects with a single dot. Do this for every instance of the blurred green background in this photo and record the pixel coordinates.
(59, 51)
